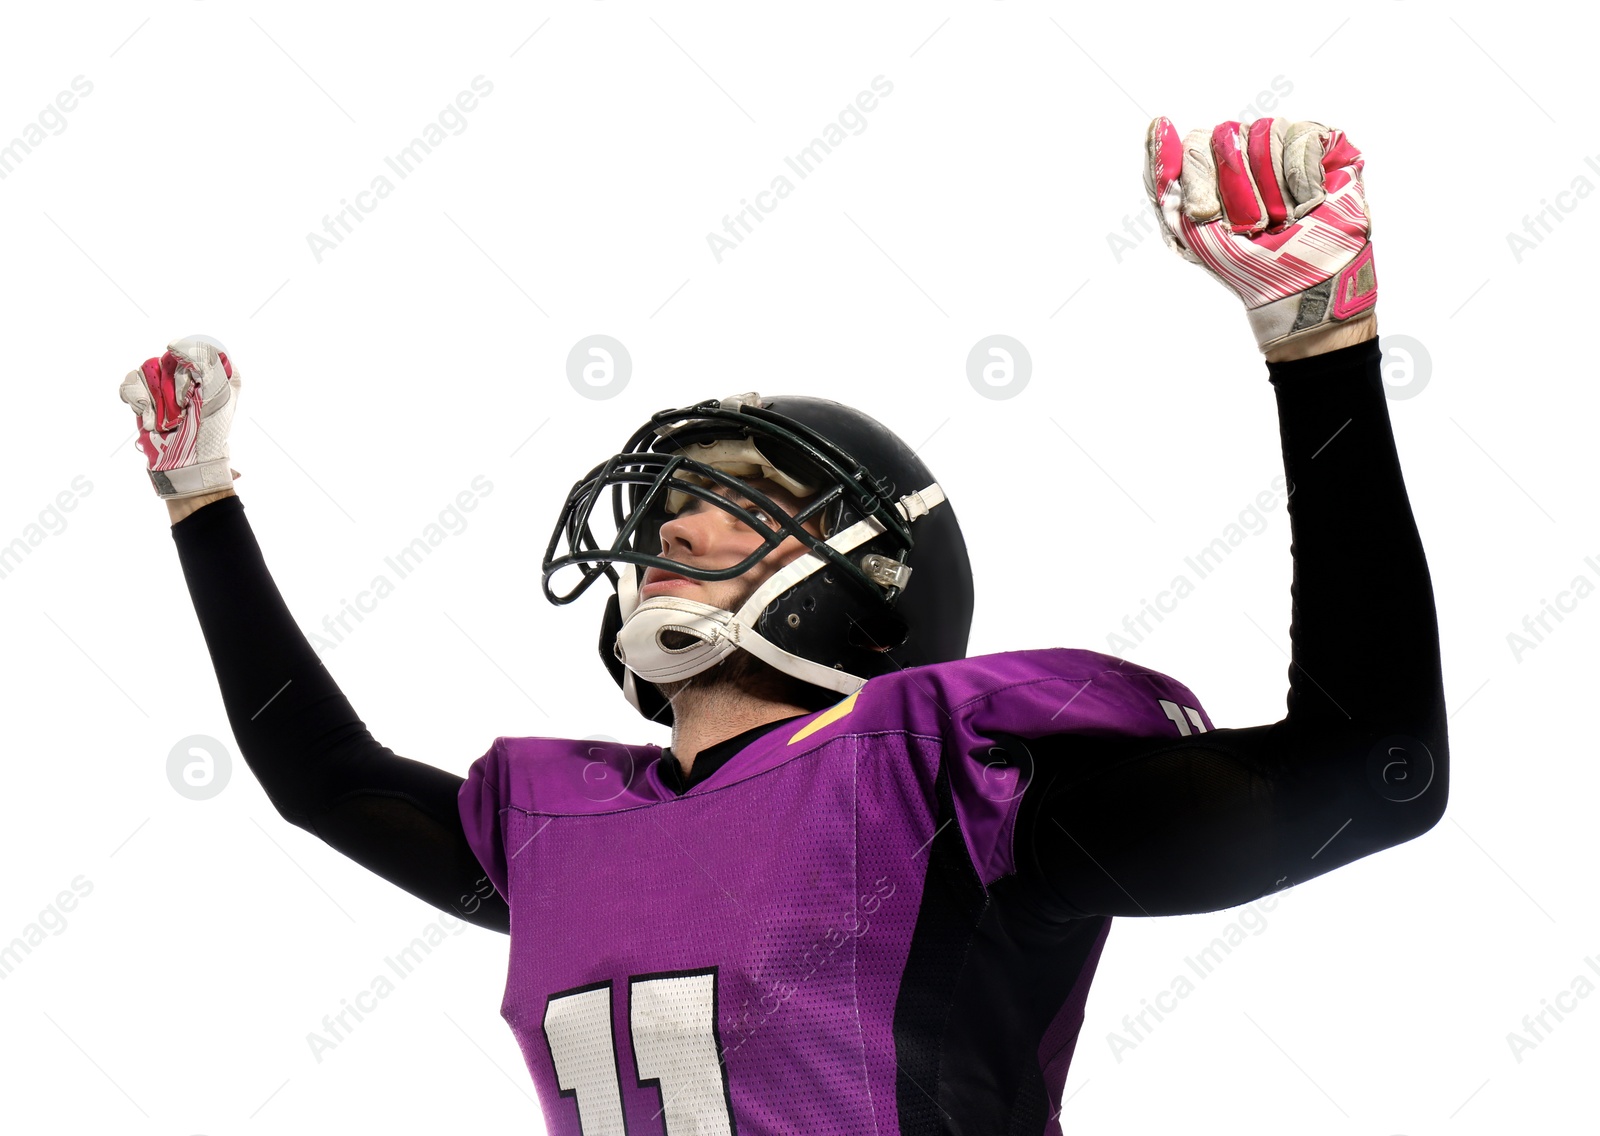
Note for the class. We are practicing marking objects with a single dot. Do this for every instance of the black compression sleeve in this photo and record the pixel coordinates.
(1128, 826)
(299, 735)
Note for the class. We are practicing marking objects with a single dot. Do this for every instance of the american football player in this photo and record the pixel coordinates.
(866, 886)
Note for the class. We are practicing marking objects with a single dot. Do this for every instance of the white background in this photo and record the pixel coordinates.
(432, 342)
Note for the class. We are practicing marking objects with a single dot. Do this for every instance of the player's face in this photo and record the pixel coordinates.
(705, 536)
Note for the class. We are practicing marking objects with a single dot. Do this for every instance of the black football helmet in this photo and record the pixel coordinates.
(846, 610)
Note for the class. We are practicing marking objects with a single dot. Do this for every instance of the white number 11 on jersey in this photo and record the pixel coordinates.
(1177, 713)
(672, 1020)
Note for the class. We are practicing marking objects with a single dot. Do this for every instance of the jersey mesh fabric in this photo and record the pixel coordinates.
(804, 874)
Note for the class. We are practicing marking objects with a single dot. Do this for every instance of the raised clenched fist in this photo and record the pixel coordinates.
(1274, 209)
(184, 403)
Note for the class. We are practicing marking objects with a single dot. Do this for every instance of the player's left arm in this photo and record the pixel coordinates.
(1138, 826)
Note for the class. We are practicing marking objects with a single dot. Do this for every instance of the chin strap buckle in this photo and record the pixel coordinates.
(882, 570)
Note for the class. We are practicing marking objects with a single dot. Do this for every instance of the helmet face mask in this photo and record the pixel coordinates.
(644, 484)
(834, 615)
(694, 481)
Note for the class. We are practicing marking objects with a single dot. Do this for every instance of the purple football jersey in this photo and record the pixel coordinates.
(806, 941)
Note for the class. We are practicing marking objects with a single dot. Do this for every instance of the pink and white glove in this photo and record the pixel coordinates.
(1276, 211)
(184, 403)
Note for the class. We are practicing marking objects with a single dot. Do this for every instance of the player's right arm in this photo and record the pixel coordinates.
(315, 759)
(1276, 211)
(1179, 825)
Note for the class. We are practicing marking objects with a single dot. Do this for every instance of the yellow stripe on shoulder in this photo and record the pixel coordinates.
(827, 718)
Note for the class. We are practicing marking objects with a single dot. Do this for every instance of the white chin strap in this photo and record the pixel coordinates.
(718, 631)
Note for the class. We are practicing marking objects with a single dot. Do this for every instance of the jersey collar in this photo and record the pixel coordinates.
(714, 757)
